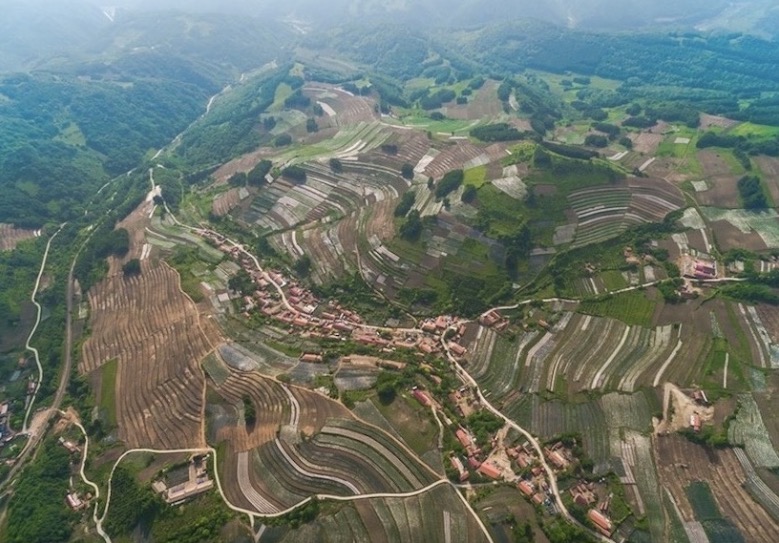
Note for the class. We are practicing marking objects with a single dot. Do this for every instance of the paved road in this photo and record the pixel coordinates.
(35, 329)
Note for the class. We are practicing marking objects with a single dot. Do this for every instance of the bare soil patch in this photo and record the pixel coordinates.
(722, 191)
(153, 330)
(681, 463)
(770, 168)
(11, 236)
(729, 237)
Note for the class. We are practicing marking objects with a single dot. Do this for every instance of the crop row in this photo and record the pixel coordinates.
(152, 329)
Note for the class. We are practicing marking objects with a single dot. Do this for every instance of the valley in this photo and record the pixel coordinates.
(374, 301)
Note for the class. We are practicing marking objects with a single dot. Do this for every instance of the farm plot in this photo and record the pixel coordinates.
(597, 353)
(504, 506)
(721, 181)
(605, 212)
(260, 357)
(436, 515)
(344, 458)
(551, 418)
(406, 147)
(460, 155)
(682, 463)
(482, 106)
(10, 236)
(739, 228)
(749, 430)
(356, 377)
(769, 166)
(344, 107)
(154, 332)
(225, 202)
(766, 325)
(342, 524)
(497, 363)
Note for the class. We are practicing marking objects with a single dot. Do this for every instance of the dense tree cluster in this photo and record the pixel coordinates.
(497, 132)
(37, 511)
(752, 194)
(405, 204)
(450, 182)
(294, 173)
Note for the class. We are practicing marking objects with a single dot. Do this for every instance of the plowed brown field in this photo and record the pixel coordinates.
(153, 329)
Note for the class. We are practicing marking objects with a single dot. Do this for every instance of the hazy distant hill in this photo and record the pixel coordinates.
(31, 30)
(590, 14)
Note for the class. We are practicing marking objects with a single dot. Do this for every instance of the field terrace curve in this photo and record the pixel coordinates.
(303, 444)
(153, 332)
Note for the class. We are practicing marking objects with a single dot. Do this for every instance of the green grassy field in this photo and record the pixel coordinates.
(108, 391)
(412, 421)
(630, 307)
(613, 280)
(755, 130)
(283, 91)
(476, 176)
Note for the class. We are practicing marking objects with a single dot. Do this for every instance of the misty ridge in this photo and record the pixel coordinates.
(37, 30)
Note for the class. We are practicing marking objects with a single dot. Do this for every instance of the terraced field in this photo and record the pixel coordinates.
(604, 212)
(682, 463)
(301, 444)
(434, 516)
(154, 332)
(345, 458)
(583, 353)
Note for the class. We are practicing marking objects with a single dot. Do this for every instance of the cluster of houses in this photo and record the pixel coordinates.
(584, 494)
(288, 302)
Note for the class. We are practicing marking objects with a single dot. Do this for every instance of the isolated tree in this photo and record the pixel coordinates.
(412, 228)
(336, 165)
(469, 194)
(132, 268)
(302, 266)
(407, 171)
(249, 412)
(311, 125)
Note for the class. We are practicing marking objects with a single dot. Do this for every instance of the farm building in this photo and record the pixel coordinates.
(421, 397)
(526, 488)
(69, 445)
(194, 480)
(457, 464)
(457, 349)
(556, 458)
(695, 422)
(491, 318)
(74, 502)
(601, 522)
(311, 357)
(583, 495)
(490, 471)
(463, 438)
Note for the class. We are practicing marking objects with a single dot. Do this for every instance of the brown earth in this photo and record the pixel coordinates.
(721, 181)
(728, 237)
(10, 236)
(154, 331)
(681, 462)
(769, 166)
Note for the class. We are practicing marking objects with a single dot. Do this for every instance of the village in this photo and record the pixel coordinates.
(287, 301)
(518, 463)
